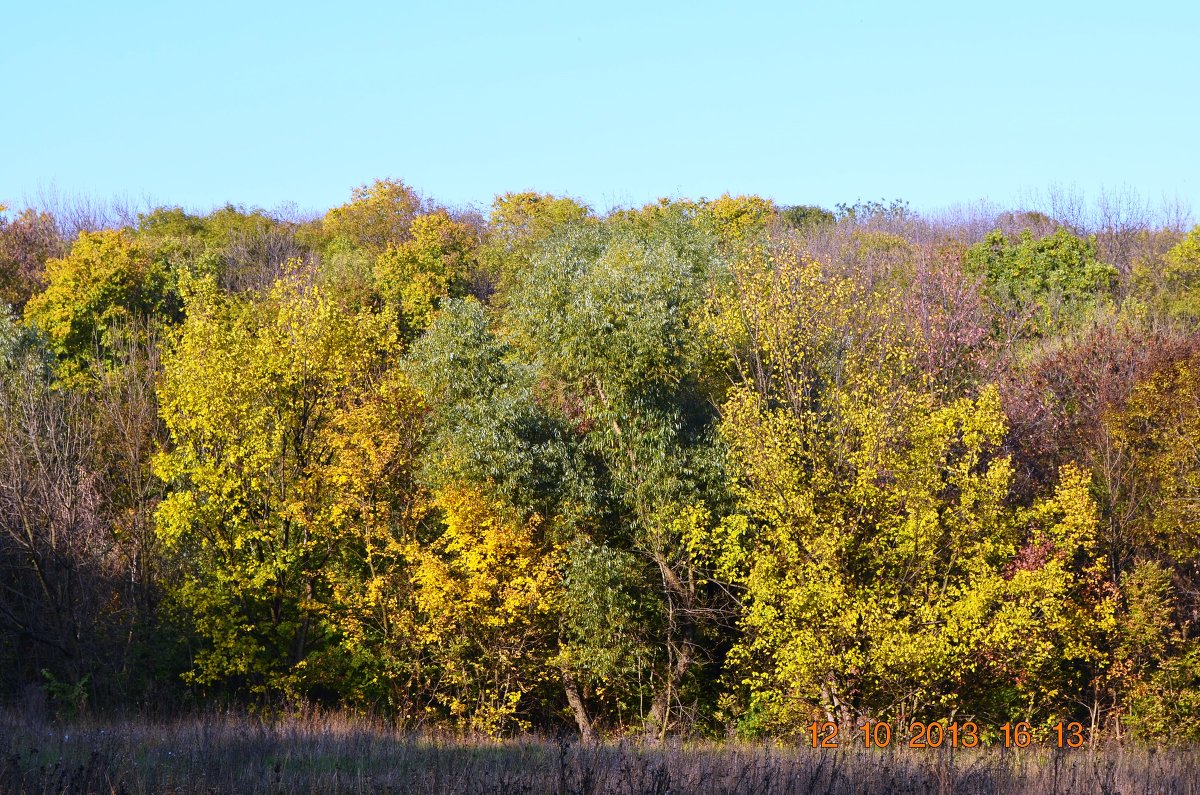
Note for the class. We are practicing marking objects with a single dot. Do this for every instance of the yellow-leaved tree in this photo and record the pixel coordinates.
(107, 279)
(488, 595)
(1156, 436)
(379, 512)
(879, 561)
(376, 216)
(432, 265)
(255, 394)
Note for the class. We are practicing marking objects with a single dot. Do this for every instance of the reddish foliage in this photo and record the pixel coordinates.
(557, 398)
(948, 307)
(1031, 557)
(26, 243)
(1056, 407)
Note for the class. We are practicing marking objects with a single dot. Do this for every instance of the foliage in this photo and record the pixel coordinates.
(885, 576)
(613, 321)
(875, 509)
(375, 511)
(432, 265)
(520, 217)
(491, 426)
(105, 280)
(1043, 285)
(242, 249)
(248, 395)
(709, 467)
(517, 225)
(1177, 291)
(806, 217)
(376, 216)
(869, 210)
(1159, 429)
(27, 242)
(488, 590)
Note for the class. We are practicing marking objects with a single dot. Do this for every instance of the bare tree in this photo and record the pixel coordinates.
(50, 526)
(79, 560)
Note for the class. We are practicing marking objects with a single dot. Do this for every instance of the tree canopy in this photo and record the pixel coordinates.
(717, 467)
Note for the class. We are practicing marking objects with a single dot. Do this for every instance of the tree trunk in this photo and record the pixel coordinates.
(660, 709)
(587, 732)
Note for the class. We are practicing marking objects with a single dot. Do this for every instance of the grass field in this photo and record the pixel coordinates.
(335, 754)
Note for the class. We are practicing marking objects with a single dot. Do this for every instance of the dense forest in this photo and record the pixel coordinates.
(710, 468)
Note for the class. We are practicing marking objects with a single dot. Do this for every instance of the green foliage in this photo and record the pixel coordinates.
(69, 700)
(106, 280)
(605, 617)
(806, 217)
(517, 225)
(491, 426)
(614, 324)
(613, 321)
(861, 211)
(1043, 285)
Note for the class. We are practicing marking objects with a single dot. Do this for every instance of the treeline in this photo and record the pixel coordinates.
(713, 467)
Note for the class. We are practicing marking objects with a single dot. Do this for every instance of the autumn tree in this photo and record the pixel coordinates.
(375, 510)
(27, 242)
(249, 393)
(376, 216)
(1154, 558)
(434, 264)
(874, 544)
(518, 218)
(868, 506)
(106, 280)
(489, 599)
(243, 249)
(1172, 285)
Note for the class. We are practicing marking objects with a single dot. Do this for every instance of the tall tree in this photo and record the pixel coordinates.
(613, 321)
(249, 393)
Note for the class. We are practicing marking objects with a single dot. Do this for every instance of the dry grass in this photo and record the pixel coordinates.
(335, 754)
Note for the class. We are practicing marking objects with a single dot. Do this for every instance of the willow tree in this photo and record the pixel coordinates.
(612, 320)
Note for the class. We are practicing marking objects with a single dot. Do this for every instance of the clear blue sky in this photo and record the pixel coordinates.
(265, 102)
